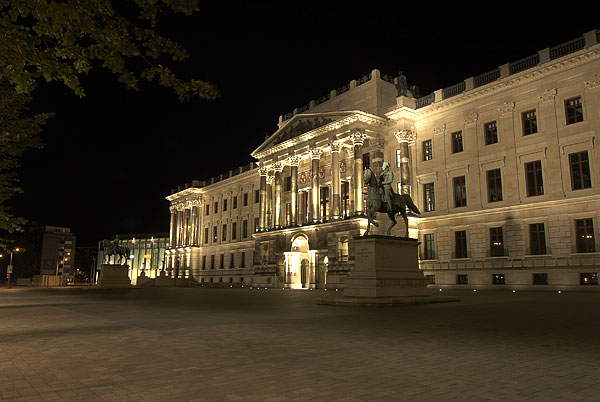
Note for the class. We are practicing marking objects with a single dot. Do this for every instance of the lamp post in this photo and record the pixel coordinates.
(10, 267)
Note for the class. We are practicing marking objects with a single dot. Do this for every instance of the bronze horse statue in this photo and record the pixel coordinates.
(375, 203)
(112, 248)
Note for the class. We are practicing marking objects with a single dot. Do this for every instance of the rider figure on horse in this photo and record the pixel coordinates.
(385, 180)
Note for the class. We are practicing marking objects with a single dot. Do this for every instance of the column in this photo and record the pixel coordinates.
(358, 138)
(269, 206)
(315, 156)
(293, 162)
(404, 137)
(278, 168)
(262, 221)
(173, 226)
(195, 219)
(179, 240)
(335, 180)
(186, 221)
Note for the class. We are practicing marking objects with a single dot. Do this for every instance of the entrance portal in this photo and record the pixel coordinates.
(300, 264)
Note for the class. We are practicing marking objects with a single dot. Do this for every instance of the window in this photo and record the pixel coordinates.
(224, 233)
(324, 203)
(580, 170)
(398, 158)
(366, 160)
(256, 196)
(233, 230)
(574, 110)
(345, 198)
(429, 246)
(428, 197)
(498, 279)
(584, 231)
(540, 279)
(235, 202)
(203, 262)
(224, 205)
(427, 150)
(460, 192)
(243, 260)
(214, 234)
(494, 185)
(343, 248)
(207, 210)
(460, 244)
(205, 235)
(462, 279)
(537, 238)
(212, 261)
(457, 142)
(222, 262)
(430, 279)
(533, 178)
(245, 199)
(256, 225)
(496, 242)
(244, 229)
(491, 133)
(589, 278)
(529, 122)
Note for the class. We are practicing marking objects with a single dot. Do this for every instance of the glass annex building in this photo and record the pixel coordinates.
(146, 253)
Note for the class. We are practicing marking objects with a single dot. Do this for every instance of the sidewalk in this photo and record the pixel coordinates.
(198, 344)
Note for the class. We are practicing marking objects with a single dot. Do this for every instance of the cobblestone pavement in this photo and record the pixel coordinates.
(199, 344)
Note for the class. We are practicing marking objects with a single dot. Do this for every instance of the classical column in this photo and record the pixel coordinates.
(278, 168)
(173, 226)
(262, 221)
(315, 156)
(404, 137)
(293, 162)
(358, 139)
(186, 221)
(269, 206)
(180, 223)
(195, 221)
(335, 179)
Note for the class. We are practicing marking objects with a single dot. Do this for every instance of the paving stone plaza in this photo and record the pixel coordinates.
(200, 344)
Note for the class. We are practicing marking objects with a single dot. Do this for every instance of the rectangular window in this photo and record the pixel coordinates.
(243, 260)
(533, 178)
(256, 225)
(203, 262)
(540, 279)
(233, 230)
(235, 202)
(205, 235)
(460, 191)
(462, 279)
(491, 133)
(429, 246)
(494, 180)
(224, 233)
(324, 203)
(287, 183)
(222, 262)
(345, 198)
(244, 229)
(212, 261)
(529, 122)
(574, 110)
(207, 210)
(245, 199)
(430, 279)
(460, 244)
(589, 278)
(216, 208)
(498, 279)
(215, 234)
(224, 205)
(428, 197)
(537, 238)
(580, 170)
(398, 158)
(496, 242)
(584, 231)
(343, 248)
(457, 142)
(256, 196)
(427, 150)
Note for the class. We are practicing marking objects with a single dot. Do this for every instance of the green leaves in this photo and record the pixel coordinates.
(60, 41)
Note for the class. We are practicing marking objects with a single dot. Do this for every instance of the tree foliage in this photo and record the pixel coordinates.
(18, 132)
(62, 40)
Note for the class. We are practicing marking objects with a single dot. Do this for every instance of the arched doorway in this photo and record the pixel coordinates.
(299, 264)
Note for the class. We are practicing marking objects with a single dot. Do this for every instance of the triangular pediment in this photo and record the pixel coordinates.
(298, 125)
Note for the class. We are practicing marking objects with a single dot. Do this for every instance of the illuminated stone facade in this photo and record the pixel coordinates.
(503, 166)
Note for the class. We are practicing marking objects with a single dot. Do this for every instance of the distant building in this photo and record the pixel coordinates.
(504, 167)
(146, 254)
(57, 250)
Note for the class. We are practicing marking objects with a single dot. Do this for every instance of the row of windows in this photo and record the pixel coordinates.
(573, 113)
(234, 202)
(234, 231)
(209, 263)
(584, 240)
(585, 278)
(534, 183)
(212, 280)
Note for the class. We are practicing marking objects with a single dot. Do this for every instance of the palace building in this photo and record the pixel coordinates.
(503, 166)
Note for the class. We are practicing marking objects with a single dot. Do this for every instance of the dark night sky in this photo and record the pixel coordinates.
(111, 158)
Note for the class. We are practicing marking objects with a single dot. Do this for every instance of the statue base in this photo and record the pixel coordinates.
(386, 272)
(113, 276)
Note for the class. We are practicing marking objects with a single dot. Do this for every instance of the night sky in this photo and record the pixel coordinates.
(112, 157)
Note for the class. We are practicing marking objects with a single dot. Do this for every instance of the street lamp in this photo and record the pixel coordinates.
(10, 266)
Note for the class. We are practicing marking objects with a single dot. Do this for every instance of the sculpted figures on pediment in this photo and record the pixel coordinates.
(302, 126)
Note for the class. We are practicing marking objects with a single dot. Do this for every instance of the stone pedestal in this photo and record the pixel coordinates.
(114, 276)
(386, 272)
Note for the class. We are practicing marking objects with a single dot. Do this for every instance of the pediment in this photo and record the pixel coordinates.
(298, 125)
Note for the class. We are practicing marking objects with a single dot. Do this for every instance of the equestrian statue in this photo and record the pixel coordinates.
(382, 198)
(113, 248)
